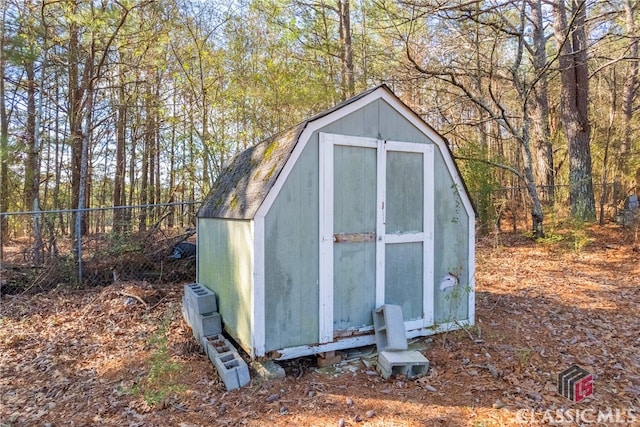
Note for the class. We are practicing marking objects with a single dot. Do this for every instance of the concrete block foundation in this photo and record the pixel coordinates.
(232, 369)
(216, 345)
(207, 330)
(202, 300)
(412, 364)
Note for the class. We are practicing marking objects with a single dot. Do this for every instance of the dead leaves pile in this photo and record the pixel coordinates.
(86, 357)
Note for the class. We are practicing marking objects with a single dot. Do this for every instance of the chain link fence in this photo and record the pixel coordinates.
(508, 209)
(40, 251)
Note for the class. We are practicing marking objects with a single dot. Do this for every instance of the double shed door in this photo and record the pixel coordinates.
(376, 232)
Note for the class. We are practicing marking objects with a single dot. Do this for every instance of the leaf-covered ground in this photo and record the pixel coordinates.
(122, 355)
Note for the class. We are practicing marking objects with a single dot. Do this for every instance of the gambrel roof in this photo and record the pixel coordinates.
(244, 184)
(246, 181)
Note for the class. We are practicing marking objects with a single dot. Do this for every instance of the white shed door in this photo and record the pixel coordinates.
(375, 232)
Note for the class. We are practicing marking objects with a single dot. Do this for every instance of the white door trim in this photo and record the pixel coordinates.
(326, 195)
(427, 235)
(325, 265)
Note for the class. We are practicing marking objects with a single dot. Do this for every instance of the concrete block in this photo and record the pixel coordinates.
(216, 345)
(411, 364)
(388, 326)
(201, 299)
(203, 325)
(232, 369)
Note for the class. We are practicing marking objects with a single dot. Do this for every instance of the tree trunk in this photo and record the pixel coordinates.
(59, 156)
(172, 166)
(607, 144)
(151, 141)
(537, 216)
(76, 95)
(541, 135)
(128, 220)
(346, 49)
(144, 182)
(31, 173)
(157, 139)
(80, 222)
(118, 184)
(4, 145)
(628, 94)
(574, 101)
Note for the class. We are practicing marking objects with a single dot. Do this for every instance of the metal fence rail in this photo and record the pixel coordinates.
(508, 208)
(41, 250)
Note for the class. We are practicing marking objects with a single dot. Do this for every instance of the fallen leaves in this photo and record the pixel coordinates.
(76, 357)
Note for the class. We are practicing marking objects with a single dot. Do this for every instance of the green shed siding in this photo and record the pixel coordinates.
(377, 120)
(291, 258)
(362, 122)
(278, 301)
(354, 205)
(404, 204)
(404, 193)
(451, 246)
(404, 284)
(225, 258)
(393, 126)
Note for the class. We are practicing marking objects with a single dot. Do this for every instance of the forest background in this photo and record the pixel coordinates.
(142, 103)
(117, 116)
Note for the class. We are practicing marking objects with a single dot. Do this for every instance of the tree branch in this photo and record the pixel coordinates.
(494, 164)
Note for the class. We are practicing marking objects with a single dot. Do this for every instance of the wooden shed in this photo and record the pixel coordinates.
(304, 234)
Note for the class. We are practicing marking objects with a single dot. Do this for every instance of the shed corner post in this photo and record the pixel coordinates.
(325, 262)
(429, 230)
(197, 250)
(472, 268)
(258, 318)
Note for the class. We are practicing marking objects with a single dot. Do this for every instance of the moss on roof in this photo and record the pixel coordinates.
(243, 185)
(245, 182)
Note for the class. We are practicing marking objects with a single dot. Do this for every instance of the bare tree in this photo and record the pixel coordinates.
(478, 72)
(541, 135)
(119, 177)
(346, 48)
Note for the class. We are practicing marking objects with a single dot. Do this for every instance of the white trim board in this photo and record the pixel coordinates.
(327, 142)
(363, 340)
(258, 301)
(325, 262)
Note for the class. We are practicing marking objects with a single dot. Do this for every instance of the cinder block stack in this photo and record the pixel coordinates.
(394, 358)
(200, 311)
(233, 370)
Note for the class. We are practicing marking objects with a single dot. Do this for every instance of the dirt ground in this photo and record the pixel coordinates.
(122, 355)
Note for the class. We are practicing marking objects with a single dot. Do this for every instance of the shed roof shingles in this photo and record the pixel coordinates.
(243, 185)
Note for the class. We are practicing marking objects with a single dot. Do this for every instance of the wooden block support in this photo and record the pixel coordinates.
(328, 358)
